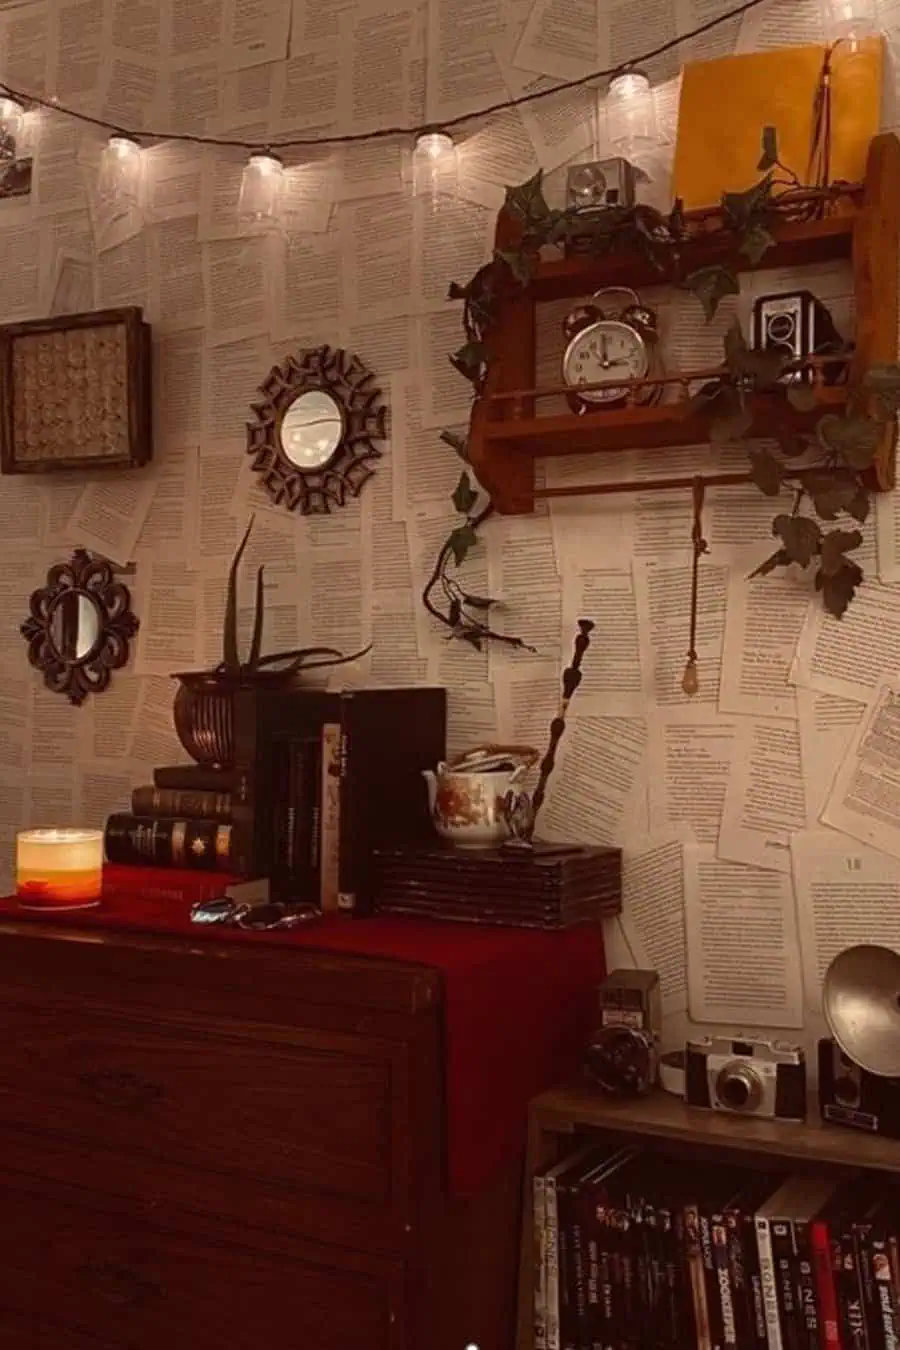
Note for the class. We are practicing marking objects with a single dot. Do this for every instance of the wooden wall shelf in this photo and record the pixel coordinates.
(505, 437)
(558, 1121)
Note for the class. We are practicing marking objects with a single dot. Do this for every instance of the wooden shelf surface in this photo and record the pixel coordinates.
(798, 244)
(662, 1116)
(668, 424)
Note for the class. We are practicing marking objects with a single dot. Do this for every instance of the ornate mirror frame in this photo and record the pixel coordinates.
(89, 580)
(342, 375)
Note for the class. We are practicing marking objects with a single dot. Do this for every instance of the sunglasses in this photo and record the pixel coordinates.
(253, 918)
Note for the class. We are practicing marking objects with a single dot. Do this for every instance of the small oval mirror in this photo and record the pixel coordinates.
(74, 626)
(311, 429)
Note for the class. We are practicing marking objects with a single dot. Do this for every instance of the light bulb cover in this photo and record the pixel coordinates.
(119, 176)
(853, 19)
(631, 122)
(435, 165)
(261, 187)
(12, 120)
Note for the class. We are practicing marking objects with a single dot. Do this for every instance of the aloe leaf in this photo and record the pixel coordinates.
(339, 661)
(229, 637)
(259, 611)
(299, 652)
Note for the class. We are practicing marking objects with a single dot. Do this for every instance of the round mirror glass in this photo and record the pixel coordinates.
(74, 626)
(311, 430)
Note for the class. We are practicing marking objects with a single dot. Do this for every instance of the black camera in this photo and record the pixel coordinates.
(746, 1077)
(850, 1095)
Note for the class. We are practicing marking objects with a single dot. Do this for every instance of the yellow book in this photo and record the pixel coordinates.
(725, 105)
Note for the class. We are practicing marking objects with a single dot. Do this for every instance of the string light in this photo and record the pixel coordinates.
(435, 166)
(395, 132)
(12, 120)
(260, 197)
(631, 114)
(851, 19)
(119, 175)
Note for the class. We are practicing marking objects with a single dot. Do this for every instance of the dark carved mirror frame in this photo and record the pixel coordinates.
(363, 414)
(83, 587)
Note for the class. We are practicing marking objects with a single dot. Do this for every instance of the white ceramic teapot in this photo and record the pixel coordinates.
(468, 795)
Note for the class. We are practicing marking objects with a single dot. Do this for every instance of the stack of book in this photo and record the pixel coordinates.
(183, 819)
(633, 1250)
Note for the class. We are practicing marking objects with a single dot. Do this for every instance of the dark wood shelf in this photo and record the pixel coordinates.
(864, 228)
(669, 424)
(662, 1116)
(796, 245)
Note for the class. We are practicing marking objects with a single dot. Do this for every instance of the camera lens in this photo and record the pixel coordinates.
(738, 1088)
(845, 1091)
(734, 1093)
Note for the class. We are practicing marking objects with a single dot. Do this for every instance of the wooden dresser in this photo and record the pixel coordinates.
(209, 1145)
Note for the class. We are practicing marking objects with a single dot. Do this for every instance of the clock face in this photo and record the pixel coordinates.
(605, 353)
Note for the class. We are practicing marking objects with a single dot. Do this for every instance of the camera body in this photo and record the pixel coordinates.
(746, 1077)
(797, 325)
(850, 1095)
(623, 1056)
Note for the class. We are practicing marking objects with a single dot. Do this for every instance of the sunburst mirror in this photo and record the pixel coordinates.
(317, 419)
(79, 626)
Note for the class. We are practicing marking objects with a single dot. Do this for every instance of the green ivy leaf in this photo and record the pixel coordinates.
(469, 360)
(464, 496)
(756, 242)
(527, 200)
(729, 418)
(457, 443)
(478, 601)
(473, 637)
(741, 207)
(765, 472)
(457, 292)
(832, 492)
(855, 439)
(454, 611)
(781, 558)
(769, 157)
(834, 545)
(521, 264)
(802, 397)
(800, 536)
(859, 507)
(711, 285)
(761, 369)
(839, 589)
(461, 540)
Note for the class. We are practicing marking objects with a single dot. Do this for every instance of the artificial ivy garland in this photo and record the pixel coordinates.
(846, 443)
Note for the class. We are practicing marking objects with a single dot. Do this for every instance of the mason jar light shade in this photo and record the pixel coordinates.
(631, 114)
(119, 178)
(849, 19)
(12, 120)
(435, 166)
(260, 198)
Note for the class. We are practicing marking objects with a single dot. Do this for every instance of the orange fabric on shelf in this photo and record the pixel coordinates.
(725, 105)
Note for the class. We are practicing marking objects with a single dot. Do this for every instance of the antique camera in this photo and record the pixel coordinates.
(851, 1095)
(746, 1077)
(797, 325)
(590, 189)
(623, 1055)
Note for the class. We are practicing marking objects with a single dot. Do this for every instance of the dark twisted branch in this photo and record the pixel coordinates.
(571, 679)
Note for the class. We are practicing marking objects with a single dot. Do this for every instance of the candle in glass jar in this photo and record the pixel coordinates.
(59, 869)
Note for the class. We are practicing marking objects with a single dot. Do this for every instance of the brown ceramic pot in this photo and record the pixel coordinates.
(204, 711)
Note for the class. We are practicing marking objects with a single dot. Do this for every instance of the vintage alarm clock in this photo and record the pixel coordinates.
(605, 346)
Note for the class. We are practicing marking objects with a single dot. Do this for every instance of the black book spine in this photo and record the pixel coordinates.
(849, 1291)
(714, 1308)
(581, 1263)
(739, 1280)
(688, 1322)
(862, 1245)
(603, 1332)
(721, 1266)
(754, 1280)
(783, 1260)
(885, 1292)
(568, 1317)
(181, 803)
(670, 1257)
(806, 1285)
(151, 841)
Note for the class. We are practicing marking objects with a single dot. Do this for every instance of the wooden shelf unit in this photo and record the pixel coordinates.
(560, 1120)
(505, 435)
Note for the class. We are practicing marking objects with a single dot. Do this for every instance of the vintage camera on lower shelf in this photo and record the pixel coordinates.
(851, 1095)
(746, 1077)
(623, 1056)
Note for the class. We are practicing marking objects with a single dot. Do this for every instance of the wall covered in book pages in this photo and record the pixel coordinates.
(728, 892)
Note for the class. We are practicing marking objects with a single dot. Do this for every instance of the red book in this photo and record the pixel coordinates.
(179, 885)
(826, 1289)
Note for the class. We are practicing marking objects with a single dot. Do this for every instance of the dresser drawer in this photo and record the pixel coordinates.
(111, 1279)
(303, 1129)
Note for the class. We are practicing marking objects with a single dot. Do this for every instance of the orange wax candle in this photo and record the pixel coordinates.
(59, 869)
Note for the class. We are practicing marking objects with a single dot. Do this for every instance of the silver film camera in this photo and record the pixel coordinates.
(746, 1077)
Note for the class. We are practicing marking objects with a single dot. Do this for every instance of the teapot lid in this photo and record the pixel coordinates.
(493, 759)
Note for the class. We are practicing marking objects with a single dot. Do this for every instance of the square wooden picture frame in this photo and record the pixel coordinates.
(75, 392)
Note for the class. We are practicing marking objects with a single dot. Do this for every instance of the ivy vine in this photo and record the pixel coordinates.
(845, 445)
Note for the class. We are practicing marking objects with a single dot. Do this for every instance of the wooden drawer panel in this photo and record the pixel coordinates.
(263, 1123)
(115, 1281)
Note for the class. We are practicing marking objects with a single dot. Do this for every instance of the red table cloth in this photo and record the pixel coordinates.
(519, 1006)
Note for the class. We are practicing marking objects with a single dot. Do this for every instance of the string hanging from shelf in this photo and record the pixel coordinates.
(689, 681)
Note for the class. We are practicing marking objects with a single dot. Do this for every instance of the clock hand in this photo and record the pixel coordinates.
(604, 354)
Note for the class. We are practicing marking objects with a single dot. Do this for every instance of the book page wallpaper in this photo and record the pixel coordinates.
(736, 889)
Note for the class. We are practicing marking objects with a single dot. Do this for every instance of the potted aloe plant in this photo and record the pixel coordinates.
(204, 701)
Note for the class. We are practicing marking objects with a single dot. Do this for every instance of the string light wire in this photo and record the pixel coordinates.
(382, 133)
